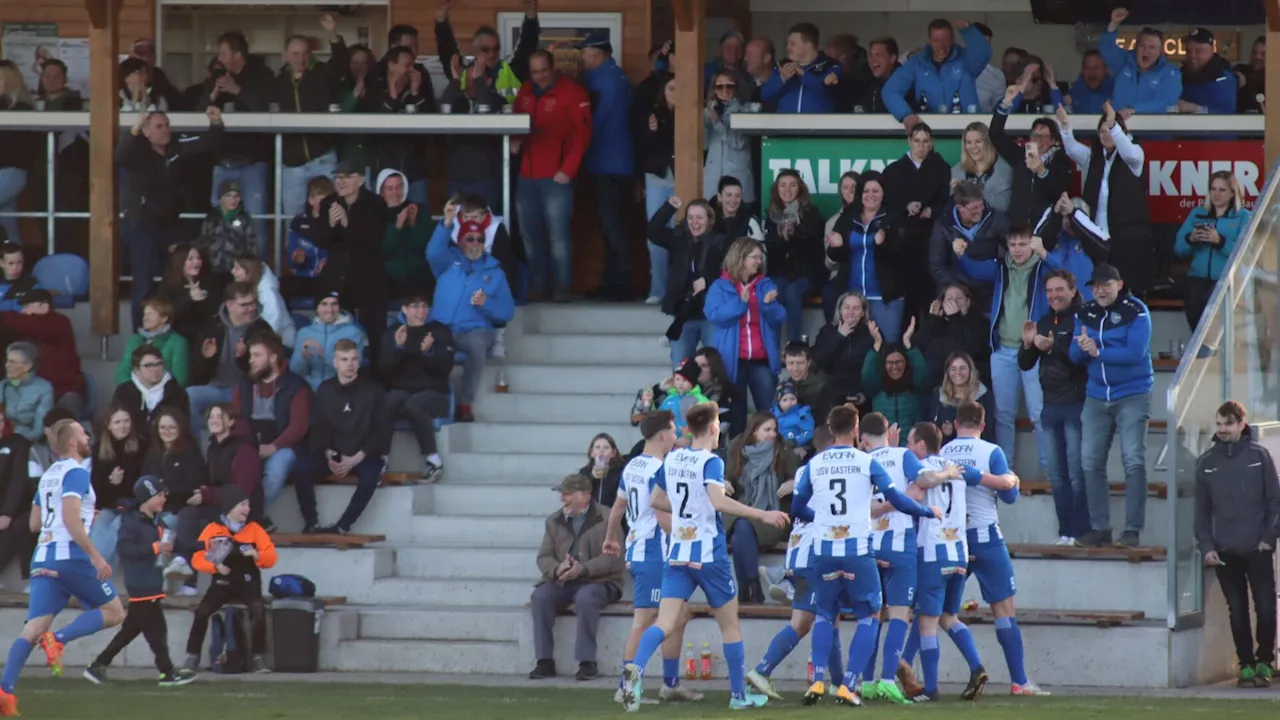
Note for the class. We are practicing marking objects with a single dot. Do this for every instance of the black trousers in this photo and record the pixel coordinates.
(1242, 575)
(146, 618)
(610, 193)
(248, 594)
(420, 409)
(1195, 297)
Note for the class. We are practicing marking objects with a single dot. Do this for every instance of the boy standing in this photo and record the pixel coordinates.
(141, 542)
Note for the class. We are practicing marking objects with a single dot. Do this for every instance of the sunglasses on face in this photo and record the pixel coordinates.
(726, 86)
(473, 239)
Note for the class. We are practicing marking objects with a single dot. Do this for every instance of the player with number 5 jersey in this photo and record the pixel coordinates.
(646, 549)
(65, 563)
(691, 488)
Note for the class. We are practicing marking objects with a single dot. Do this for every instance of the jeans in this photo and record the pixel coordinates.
(105, 532)
(1243, 575)
(293, 181)
(791, 294)
(693, 332)
(657, 191)
(275, 471)
(148, 248)
(12, 182)
(1006, 378)
(617, 251)
(202, 398)
(746, 551)
(490, 190)
(1101, 419)
(762, 381)
(545, 209)
(476, 344)
(887, 315)
(253, 179)
(1061, 423)
(313, 466)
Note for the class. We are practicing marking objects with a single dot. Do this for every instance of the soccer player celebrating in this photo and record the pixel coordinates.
(65, 564)
(834, 493)
(691, 488)
(991, 562)
(646, 549)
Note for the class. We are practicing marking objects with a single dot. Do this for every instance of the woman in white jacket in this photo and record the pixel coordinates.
(271, 307)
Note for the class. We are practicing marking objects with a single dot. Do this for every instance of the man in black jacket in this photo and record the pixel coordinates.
(1062, 382)
(153, 162)
(1237, 513)
(350, 227)
(349, 435)
(148, 388)
(16, 490)
(220, 355)
(882, 58)
(405, 89)
(415, 362)
(982, 228)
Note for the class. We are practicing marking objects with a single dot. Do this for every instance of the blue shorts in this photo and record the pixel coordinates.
(55, 582)
(715, 579)
(940, 588)
(899, 579)
(994, 569)
(850, 584)
(646, 576)
(806, 595)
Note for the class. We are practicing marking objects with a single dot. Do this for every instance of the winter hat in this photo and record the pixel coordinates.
(787, 387)
(232, 496)
(470, 227)
(147, 487)
(690, 371)
(227, 186)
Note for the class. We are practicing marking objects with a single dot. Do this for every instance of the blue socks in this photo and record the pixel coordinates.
(861, 647)
(1010, 637)
(779, 648)
(835, 663)
(963, 639)
(19, 651)
(87, 623)
(892, 648)
(913, 644)
(735, 656)
(671, 671)
(650, 641)
(929, 654)
(822, 637)
(869, 672)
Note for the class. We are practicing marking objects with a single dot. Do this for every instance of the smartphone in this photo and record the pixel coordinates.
(468, 62)
(1033, 149)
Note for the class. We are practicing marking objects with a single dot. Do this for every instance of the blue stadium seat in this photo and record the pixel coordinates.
(65, 275)
(301, 303)
(299, 320)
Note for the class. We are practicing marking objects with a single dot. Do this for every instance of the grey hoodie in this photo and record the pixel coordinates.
(1237, 496)
(229, 372)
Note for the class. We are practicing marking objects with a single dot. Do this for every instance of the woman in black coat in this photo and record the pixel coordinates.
(794, 244)
(191, 287)
(840, 349)
(654, 128)
(917, 187)
(695, 252)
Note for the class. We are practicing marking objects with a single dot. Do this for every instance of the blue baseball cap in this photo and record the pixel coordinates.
(596, 39)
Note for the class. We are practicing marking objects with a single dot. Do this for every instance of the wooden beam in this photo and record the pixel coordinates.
(690, 18)
(104, 120)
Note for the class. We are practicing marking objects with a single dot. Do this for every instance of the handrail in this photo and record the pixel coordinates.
(879, 124)
(341, 123)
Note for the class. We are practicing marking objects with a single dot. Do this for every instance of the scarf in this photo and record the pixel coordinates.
(758, 485)
(152, 396)
(150, 335)
(790, 213)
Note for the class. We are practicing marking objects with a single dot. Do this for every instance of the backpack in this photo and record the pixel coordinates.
(226, 649)
(291, 586)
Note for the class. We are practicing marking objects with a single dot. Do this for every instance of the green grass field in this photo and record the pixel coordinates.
(74, 699)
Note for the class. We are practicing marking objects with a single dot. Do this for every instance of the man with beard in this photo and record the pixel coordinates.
(276, 404)
(1208, 83)
(219, 355)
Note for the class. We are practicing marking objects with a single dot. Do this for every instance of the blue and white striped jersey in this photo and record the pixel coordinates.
(986, 457)
(836, 488)
(800, 544)
(65, 478)
(645, 542)
(697, 535)
(944, 539)
(895, 531)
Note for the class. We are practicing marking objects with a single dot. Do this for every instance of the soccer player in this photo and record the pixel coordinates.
(65, 564)
(798, 565)
(834, 493)
(691, 488)
(991, 562)
(646, 549)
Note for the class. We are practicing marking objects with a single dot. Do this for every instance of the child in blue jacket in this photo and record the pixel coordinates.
(683, 394)
(795, 421)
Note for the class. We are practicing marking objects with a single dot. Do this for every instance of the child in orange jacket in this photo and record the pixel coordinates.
(234, 551)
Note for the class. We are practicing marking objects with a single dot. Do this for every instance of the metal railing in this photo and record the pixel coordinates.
(869, 124)
(276, 124)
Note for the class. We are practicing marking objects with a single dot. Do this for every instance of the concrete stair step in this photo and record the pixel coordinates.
(480, 530)
(442, 624)
(389, 512)
(595, 319)
(349, 573)
(469, 593)
(541, 469)
(1026, 462)
(522, 407)
(430, 562)
(578, 379)
(449, 656)
(546, 437)
(516, 500)
(1033, 519)
(574, 349)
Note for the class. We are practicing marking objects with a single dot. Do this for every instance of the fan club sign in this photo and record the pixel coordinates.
(1177, 171)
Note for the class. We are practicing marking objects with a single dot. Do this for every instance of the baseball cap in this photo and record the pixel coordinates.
(348, 167)
(596, 39)
(1200, 35)
(147, 487)
(1103, 272)
(35, 295)
(573, 483)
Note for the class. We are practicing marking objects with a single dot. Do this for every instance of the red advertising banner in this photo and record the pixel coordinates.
(1178, 173)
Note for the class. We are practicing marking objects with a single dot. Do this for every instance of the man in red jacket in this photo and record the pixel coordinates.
(560, 125)
(56, 340)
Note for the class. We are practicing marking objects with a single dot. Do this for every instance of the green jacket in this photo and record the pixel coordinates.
(173, 350)
(904, 408)
(405, 249)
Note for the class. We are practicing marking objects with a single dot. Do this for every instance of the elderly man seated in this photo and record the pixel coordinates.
(575, 571)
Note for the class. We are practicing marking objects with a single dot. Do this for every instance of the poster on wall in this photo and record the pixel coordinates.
(560, 32)
(28, 45)
(74, 53)
(1178, 171)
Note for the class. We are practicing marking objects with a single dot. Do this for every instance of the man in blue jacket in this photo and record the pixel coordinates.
(1093, 87)
(1145, 81)
(941, 75)
(610, 158)
(472, 295)
(1113, 341)
(1208, 82)
(806, 81)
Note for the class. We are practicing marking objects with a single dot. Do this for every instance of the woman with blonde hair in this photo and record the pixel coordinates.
(981, 165)
(1208, 236)
(17, 149)
(744, 308)
(960, 384)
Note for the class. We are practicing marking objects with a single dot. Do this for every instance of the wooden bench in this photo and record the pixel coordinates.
(342, 542)
(1043, 487)
(388, 478)
(20, 600)
(1099, 618)
(1138, 554)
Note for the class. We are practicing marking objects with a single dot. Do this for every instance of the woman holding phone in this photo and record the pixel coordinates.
(1207, 237)
(1041, 171)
